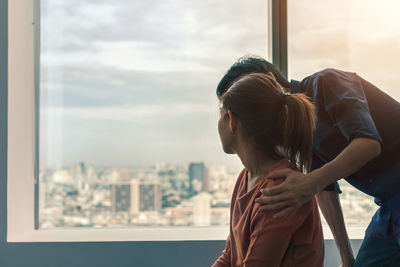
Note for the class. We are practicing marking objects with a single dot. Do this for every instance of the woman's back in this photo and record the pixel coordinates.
(257, 239)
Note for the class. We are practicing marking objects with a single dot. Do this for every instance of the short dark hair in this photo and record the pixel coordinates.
(247, 65)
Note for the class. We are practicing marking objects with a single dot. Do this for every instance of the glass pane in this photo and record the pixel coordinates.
(360, 36)
(128, 109)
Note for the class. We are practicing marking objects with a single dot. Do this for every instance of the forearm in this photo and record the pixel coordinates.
(358, 153)
(329, 203)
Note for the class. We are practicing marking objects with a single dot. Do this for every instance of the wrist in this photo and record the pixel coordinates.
(315, 181)
(347, 254)
(322, 177)
(348, 261)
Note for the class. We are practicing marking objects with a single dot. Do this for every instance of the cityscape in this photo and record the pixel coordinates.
(162, 194)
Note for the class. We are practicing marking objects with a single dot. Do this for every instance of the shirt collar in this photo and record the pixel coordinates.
(295, 87)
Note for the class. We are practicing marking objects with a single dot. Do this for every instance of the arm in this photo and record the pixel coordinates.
(268, 243)
(271, 238)
(329, 203)
(341, 96)
(225, 259)
(298, 188)
(343, 99)
(267, 247)
(358, 153)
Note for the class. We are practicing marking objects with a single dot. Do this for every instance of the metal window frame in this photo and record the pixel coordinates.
(279, 35)
(36, 22)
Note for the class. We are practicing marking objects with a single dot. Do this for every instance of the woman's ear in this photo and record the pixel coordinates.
(232, 122)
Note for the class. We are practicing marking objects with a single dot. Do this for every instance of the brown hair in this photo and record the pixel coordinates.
(281, 123)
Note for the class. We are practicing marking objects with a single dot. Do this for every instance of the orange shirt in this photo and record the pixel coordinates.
(257, 239)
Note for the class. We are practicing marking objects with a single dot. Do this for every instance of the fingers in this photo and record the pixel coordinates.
(273, 190)
(284, 212)
(279, 173)
(275, 206)
(273, 199)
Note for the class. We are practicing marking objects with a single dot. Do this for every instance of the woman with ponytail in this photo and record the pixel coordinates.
(269, 130)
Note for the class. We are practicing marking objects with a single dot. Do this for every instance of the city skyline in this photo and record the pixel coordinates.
(157, 195)
(162, 194)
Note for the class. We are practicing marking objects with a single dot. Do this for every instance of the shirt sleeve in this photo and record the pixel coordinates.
(345, 102)
(317, 163)
(270, 238)
(225, 259)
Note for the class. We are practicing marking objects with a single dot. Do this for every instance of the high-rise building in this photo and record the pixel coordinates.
(79, 175)
(121, 197)
(136, 196)
(196, 176)
(149, 196)
(202, 209)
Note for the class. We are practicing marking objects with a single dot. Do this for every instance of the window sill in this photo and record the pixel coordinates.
(120, 234)
(144, 234)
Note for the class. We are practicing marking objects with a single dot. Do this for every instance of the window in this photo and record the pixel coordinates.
(359, 36)
(127, 117)
(127, 109)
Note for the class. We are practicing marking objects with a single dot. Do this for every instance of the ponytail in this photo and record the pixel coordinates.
(299, 125)
(281, 124)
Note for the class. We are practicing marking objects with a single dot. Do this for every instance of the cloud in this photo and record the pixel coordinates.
(165, 31)
(99, 86)
(131, 113)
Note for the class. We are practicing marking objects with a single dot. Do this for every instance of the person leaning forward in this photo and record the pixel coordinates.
(357, 138)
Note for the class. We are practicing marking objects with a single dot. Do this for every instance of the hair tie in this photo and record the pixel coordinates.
(284, 93)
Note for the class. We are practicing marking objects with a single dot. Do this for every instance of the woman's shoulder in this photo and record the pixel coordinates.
(267, 183)
(240, 181)
(306, 208)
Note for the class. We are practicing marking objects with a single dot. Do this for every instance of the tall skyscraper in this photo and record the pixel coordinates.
(79, 175)
(196, 176)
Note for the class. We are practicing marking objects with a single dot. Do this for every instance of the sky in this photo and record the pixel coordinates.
(126, 83)
(360, 36)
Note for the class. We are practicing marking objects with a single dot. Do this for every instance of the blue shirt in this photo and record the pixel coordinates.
(348, 107)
